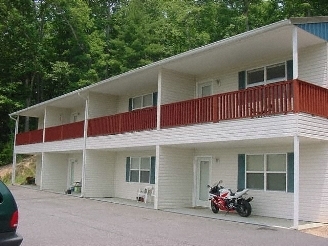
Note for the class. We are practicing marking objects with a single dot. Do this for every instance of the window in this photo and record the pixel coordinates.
(266, 172)
(204, 89)
(267, 74)
(140, 169)
(142, 101)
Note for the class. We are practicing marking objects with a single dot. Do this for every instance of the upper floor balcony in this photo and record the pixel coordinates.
(292, 96)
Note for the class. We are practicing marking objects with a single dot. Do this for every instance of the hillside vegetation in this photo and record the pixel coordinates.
(25, 168)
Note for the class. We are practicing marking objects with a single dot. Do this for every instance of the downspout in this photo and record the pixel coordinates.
(296, 138)
(85, 135)
(13, 174)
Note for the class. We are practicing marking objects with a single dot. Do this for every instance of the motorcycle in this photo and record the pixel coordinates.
(224, 199)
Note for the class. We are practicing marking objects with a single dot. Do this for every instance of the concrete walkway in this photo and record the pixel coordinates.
(207, 213)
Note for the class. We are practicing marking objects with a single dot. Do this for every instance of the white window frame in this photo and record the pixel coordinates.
(265, 171)
(142, 101)
(139, 169)
(266, 81)
(200, 85)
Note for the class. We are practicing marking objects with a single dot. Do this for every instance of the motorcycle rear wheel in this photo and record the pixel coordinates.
(244, 209)
(214, 208)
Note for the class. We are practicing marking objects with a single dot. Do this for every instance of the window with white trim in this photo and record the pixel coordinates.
(140, 169)
(143, 101)
(266, 74)
(266, 172)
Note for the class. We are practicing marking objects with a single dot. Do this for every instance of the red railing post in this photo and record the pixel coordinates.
(296, 96)
(215, 109)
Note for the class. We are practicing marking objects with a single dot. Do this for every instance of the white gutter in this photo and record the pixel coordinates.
(13, 174)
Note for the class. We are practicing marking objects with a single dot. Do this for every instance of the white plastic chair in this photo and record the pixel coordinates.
(145, 194)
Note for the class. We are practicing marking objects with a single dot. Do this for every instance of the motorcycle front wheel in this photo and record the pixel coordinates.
(214, 208)
(244, 209)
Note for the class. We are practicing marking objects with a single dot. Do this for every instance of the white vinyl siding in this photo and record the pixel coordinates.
(57, 116)
(177, 87)
(175, 177)
(102, 105)
(313, 64)
(54, 173)
(136, 139)
(99, 173)
(280, 126)
(314, 182)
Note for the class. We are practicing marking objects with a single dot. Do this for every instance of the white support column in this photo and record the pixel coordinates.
(296, 180)
(42, 171)
(295, 54)
(159, 96)
(85, 135)
(13, 174)
(156, 176)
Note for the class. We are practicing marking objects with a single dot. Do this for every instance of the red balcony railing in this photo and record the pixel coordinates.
(311, 99)
(137, 120)
(63, 132)
(30, 137)
(276, 98)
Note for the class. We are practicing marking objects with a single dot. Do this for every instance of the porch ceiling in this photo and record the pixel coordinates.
(258, 45)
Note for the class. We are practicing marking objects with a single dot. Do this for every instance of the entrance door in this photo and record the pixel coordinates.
(70, 176)
(202, 180)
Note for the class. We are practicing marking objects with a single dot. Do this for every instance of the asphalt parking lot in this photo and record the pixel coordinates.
(56, 219)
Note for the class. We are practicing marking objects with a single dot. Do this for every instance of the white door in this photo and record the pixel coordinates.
(203, 166)
(70, 176)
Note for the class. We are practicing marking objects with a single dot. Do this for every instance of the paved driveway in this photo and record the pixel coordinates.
(56, 219)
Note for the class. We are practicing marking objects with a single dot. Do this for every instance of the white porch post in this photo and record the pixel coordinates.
(295, 54)
(85, 135)
(159, 95)
(42, 171)
(13, 174)
(296, 138)
(296, 180)
(156, 177)
(43, 141)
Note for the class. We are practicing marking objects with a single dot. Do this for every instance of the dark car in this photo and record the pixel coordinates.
(8, 218)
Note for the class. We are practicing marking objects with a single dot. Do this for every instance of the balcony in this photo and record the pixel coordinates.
(64, 132)
(30, 137)
(137, 120)
(277, 98)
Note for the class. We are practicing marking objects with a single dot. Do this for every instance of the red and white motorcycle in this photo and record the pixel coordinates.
(224, 199)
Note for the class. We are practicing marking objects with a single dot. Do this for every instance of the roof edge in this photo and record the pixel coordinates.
(305, 20)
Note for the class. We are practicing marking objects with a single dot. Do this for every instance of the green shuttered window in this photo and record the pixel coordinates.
(266, 74)
(266, 172)
(140, 169)
(144, 101)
